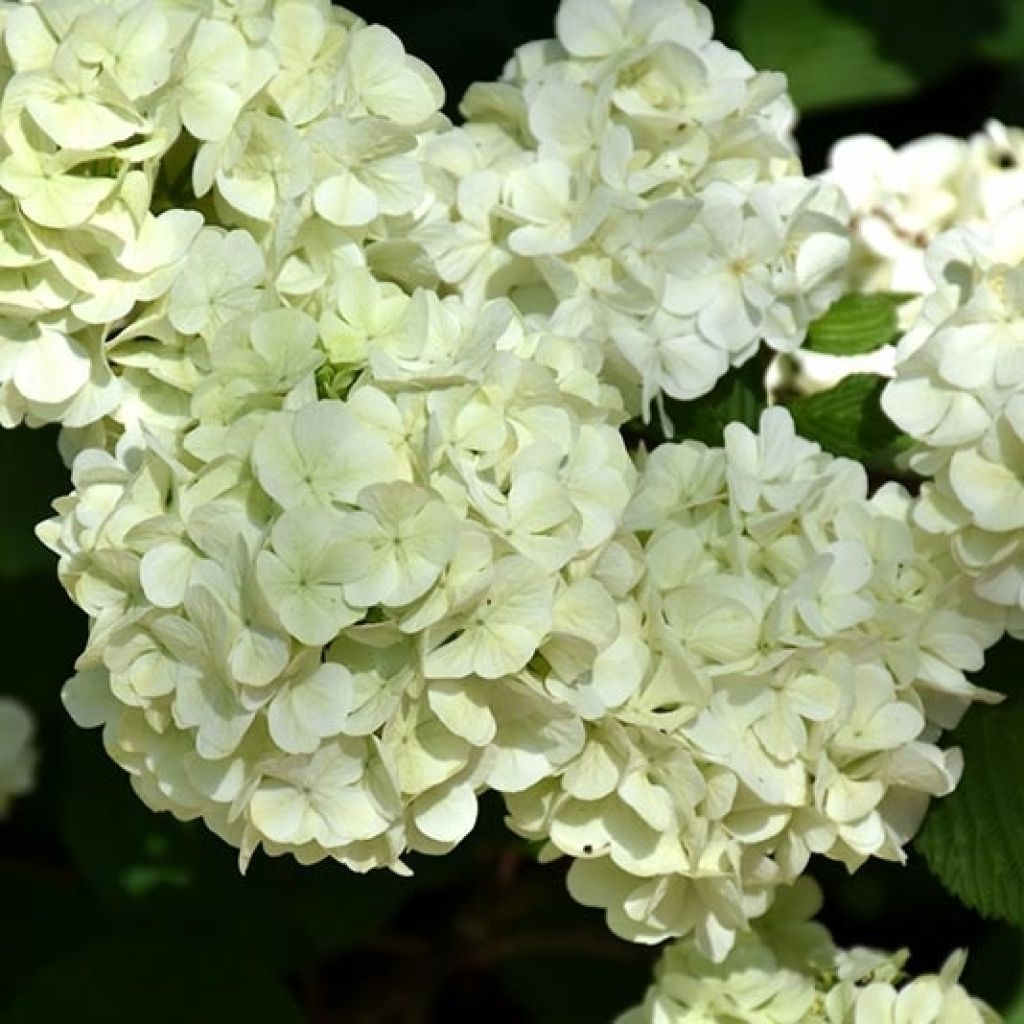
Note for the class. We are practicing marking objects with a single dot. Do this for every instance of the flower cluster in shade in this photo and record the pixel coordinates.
(633, 183)
(17, 752)
(165, 166)
(903, 197)
(793, 650)
(959, 392)
(787, 970)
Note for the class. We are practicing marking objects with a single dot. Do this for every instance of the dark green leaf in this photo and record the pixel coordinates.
(1005, 42)
(848, 420)
(830, 59)
(856, 324)
(739, 395)
(838, 52)
(973, 840)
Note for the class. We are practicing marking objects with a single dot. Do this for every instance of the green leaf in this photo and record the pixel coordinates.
(848, 420)
(829, 59)
(856, 324)
(739, 395)
(838, 52)
(973, 840)
(1005, 42)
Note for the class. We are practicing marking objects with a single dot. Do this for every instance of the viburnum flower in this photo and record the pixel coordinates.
(325, 620)
(903, 198)
(803, 645)
(958, 393)
(353, 520)
(167, 166)
(17, 752)
(788, 971)
(633, 183)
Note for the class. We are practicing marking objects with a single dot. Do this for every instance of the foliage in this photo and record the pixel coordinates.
(974, 840)
(848, 420)
(856, 324)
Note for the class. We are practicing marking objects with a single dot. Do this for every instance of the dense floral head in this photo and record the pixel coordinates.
(353, 521)
(633, 183)
(794, 649)
(788, 971)
(904, 198)
(959, 391)
(164, 166)
(347, 605)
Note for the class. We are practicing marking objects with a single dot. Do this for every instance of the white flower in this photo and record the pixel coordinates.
(47, 189)
(323, 800)
(794, 678)
(501, 634)
(398, 543)
(958, 392)
(381, 78)
(214, 80)
(219, 282)
(363, 168)
(902, 199)
(651, 202)
(105, 283)
(17, 752)
(305, 571)
(326, 624)
(788, 971)
(306, 44)
(555, 220)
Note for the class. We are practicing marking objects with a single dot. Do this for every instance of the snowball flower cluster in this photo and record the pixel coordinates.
(165, 166)
(959, 392)
(345, 607)
(903, 198)
(790, 651)
(633, 183)
(788, 971)
(353, 521)
(17, 752)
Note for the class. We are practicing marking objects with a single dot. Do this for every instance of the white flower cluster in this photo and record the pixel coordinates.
(17, 752)
(788, 971)
(634, 183)
(790, 652)
(903, 198)
(353, 521)
(166, 165)
(959, 391)
(334, 617)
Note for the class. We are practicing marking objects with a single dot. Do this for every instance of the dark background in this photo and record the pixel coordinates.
(110, 913)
